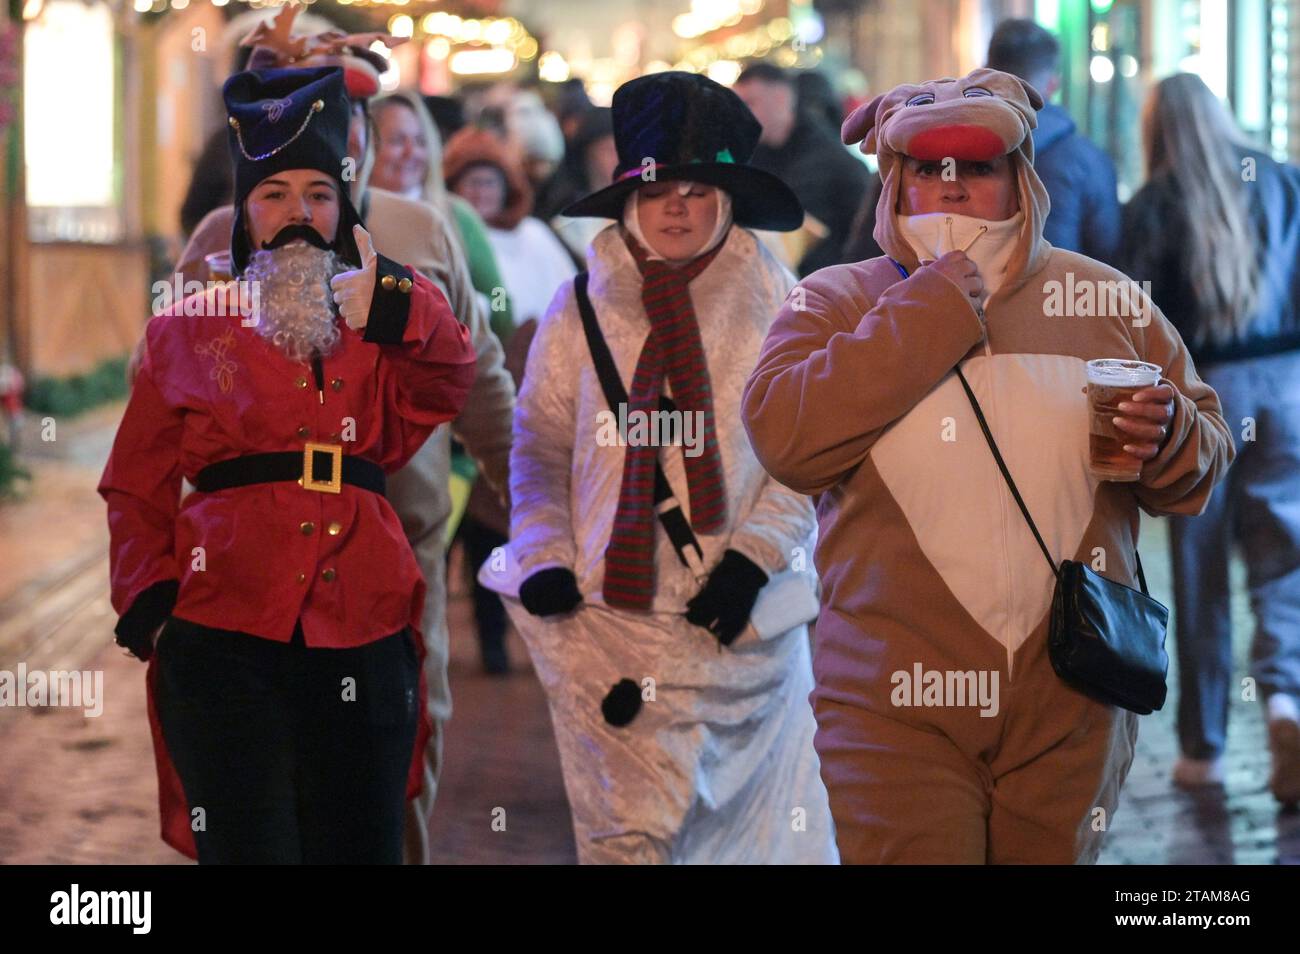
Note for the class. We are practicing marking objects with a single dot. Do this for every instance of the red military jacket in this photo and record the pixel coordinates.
(256, 558)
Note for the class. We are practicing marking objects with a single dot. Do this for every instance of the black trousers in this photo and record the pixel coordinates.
(489, 612)
(289, 755)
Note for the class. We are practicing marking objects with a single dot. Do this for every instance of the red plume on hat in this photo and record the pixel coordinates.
(276, 46)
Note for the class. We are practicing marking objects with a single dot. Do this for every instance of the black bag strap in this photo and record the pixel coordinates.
(1015, 492)
(673, 519)
(1142, 577)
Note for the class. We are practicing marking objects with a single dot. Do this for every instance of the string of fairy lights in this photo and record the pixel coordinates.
(710, 36)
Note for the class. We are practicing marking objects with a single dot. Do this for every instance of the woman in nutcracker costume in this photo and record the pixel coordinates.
(418, 234)
(279, 602)
(683, 724)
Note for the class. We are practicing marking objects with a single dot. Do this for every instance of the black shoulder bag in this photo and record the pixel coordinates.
(1106, 640)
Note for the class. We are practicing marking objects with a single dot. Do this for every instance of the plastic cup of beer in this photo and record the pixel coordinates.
(220, 267)
(1111, 381)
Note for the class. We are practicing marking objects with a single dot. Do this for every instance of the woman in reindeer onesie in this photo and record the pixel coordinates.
(926, 560)
(684, 731)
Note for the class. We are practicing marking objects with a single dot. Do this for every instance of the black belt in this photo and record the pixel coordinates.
(318, 467)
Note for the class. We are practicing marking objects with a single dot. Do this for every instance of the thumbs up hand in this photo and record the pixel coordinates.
(354, 290)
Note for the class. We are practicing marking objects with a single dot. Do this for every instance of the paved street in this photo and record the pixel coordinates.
(77, 790)
(82, 790)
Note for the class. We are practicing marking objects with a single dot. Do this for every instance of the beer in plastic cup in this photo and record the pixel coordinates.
(220, 267)
(1110, 381)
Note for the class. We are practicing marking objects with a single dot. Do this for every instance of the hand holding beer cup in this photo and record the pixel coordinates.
(1145, 418)
(1130, 412)
(220, 266)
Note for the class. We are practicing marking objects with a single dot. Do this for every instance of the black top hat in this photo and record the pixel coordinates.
(288, 119)
(686, 126)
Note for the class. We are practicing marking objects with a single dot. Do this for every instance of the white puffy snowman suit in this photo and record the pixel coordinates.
(718, 766)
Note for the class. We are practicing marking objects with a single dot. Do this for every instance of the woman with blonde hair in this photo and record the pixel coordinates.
(483, 170)
(1216, 230)
(408, 161)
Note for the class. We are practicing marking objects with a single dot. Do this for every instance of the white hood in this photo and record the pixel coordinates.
(988, 243)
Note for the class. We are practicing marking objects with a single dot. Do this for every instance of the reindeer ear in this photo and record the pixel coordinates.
(1035, 98)
(860, 122)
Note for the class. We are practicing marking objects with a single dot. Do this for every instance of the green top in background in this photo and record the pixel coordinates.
(483, 272)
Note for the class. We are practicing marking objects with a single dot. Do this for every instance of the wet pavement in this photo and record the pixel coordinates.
(81, 790)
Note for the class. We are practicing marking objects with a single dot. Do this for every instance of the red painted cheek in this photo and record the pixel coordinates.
(971, 143)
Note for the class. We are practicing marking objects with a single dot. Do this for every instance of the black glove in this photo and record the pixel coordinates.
(150, 609)
(724, 603)
(139, 647)
(551, 591)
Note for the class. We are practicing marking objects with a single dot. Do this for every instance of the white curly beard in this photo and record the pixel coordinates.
(296, 306)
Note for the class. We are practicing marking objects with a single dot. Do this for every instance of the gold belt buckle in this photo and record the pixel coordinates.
(335, 484)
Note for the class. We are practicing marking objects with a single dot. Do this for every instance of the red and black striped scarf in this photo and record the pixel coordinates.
(672, 350)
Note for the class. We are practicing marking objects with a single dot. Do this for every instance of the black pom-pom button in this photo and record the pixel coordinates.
(622, 703)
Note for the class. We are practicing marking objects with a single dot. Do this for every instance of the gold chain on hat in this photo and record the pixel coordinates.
(316, 107)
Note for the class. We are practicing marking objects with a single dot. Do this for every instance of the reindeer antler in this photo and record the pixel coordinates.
(334, 42)
(276, 35)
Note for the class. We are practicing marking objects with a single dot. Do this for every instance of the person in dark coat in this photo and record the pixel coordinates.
(1216, 231)
(803, 152)
(817, 98)
(1080, 177)
(211, 185)
(589, 157)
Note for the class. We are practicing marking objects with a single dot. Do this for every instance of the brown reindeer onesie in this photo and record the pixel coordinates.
(929, 570)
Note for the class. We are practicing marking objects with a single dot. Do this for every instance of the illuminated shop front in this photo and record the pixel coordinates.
(77, 265)
(1115, 50)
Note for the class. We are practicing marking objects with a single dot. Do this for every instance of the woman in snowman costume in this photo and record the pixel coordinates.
(660, 578)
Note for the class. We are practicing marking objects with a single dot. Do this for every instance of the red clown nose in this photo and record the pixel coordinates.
(972, 143)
